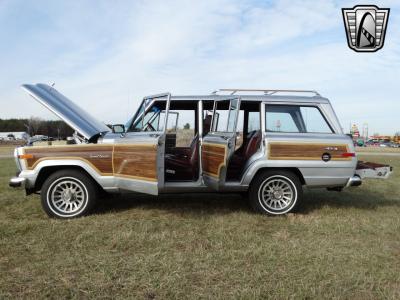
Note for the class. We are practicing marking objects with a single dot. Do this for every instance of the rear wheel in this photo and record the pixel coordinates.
(275, 192)
(68, 194)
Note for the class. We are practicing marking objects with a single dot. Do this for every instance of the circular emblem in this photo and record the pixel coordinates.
(326, 157)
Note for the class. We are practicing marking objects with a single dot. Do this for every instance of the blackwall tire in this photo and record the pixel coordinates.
(275, 192)
(68, 194)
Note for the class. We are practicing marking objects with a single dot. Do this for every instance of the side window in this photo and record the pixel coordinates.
(314, 121)
(152, 120)
(240, 129)
(294, 118)
(280, 119)
(220, 120)
(254, 121)
(232, 115)
(181, 122)
(225, 116)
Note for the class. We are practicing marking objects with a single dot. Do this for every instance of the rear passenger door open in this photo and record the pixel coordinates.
(219, 144)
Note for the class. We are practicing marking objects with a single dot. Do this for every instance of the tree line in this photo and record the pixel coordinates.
(35, 126)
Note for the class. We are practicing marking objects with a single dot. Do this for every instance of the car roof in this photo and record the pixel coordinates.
(258, 98)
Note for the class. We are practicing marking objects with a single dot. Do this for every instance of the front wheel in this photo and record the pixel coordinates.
(68, 194)
(275, 192)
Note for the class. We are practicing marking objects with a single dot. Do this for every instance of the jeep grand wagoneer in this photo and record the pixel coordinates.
(266, 143)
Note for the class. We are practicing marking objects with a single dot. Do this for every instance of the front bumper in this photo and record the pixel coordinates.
(17, 182)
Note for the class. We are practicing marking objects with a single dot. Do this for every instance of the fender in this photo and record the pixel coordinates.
(32, 175)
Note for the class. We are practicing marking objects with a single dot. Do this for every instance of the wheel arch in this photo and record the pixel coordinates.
(47, 171)
(294, 170)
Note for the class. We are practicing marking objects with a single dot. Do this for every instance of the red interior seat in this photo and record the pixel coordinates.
(237, 162)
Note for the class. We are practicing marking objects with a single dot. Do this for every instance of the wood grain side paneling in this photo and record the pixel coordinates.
(136, 161)
(213, 158)
(98, 156)
(306, 151)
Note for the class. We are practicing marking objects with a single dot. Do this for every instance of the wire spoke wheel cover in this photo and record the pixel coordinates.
(277, 194)
(67, 196)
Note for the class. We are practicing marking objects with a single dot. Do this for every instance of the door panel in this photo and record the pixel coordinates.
(219, 145)
(136, 161)
(214, 158)
(292, 150)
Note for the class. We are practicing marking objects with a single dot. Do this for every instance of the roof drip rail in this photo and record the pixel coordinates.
(264, 91)
(161, 95)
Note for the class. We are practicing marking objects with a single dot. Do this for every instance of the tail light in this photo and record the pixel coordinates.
(348, 154)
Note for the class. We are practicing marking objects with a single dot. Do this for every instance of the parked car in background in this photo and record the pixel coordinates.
(266, 143)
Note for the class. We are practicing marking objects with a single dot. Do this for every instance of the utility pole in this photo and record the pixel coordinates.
(365, 131)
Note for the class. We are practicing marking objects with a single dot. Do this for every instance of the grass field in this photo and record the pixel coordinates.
(378, 149)
(340, 245)
(6, 150)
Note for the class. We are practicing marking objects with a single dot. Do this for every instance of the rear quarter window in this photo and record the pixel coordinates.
(295, 119)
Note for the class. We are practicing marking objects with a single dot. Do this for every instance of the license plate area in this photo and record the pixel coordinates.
(373, 170)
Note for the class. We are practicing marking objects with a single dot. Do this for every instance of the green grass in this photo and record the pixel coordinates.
(340, 245)
(7, 150)
(378, 149)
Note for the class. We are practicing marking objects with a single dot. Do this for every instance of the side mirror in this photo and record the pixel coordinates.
(118, 128)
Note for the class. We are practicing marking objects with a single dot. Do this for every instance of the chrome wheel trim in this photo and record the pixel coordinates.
(67, 197)
(277, 194)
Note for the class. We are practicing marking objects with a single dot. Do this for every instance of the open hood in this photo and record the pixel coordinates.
(67, 110)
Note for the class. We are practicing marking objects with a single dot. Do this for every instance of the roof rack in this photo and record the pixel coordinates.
(265, 91)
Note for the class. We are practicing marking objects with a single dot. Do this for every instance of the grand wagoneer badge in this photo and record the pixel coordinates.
(365, 27)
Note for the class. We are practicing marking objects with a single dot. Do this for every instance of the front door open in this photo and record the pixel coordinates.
(138, 156)
(219, 144)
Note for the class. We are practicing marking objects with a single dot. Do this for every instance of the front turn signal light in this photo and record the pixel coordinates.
(25, 156)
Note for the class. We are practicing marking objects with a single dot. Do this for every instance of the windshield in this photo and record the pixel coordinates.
(137, 115)
(153, 118)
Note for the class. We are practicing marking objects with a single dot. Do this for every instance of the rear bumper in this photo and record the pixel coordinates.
(369, 170)
(17, 182)
(373, 170)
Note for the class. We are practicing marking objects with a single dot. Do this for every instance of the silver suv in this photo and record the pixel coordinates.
(266, 143)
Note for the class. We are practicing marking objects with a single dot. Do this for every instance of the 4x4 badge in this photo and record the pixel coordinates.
(365, 27)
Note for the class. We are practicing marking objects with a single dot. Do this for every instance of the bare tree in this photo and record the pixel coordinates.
(35, 123)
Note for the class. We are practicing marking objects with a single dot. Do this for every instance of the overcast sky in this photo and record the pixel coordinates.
(107, 55)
